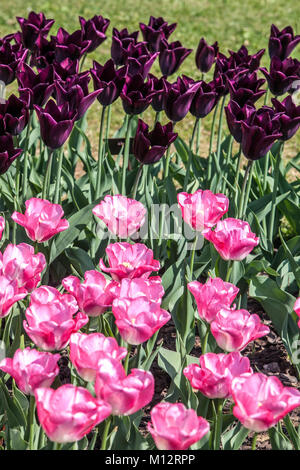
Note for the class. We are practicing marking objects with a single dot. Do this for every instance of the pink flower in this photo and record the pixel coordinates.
(138, 319)
(19, 263)
(123, 216)
(212, 296)
(125, 394)
(232, 238)
(297, 309)
(261, 401)
(202, 209)
(234, 329)
(42, 219)
(69, 413)
(10, 293)
(50, 320)
(93, 295)
(175, 427)
(126, 260)
(87, 350)
(150, 288)
(214, 375)
(2, 226)
(31, 369)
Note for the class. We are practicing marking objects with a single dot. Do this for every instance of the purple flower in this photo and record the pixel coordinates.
(11, 56)
(33, 28)
(121, 41)
(109, 80)
(149, 147)
(179, 97)
(93, 30)
(13, 115)
(139, 59)
(244, 89)
(243, 59)
(282, 74)
(70, 46)
(235, 115)
(137, 95)
(206, 55)
(161, 86)
(171, 56)
(40, 85)
(43, 53)
(282, 43)
(204, 100)
(156, 30)
(8, 153)
(289, 117)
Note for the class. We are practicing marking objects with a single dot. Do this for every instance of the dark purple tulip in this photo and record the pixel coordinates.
(14, 115)
(70, 46)
(179, 98)
(121, 41)
(289, 117)
(93, 30)
(204, 100)
(282, 43)
(206, 55)
(109, 80)
(40, 85)
(259, 133)
(282, 75)
(8, 153)
(43, 53)
(136, 94)
(56, 123)
(11, 56)
(140, 60)
(220, 84)
(149, 147)
(66, 69)
(235, 115)
(244, 89)
(243, 59)
(226, 69)
(171, 56)
(156, 30)
(161, 86)
(33, 28)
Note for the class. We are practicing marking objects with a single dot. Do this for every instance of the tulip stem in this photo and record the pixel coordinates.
(220, 128)
(26, 158)
(108, 119)
(126, 155)
(127, 358)
(60, 158)
(105, 434)
(31, 420)
(47, 180)
(212, 132)
(242, 199)
(157, 117)
(253, 446)
(274, 194)
(188, 168)
(228, 158)
(137, 180)
(229, 270)
(100, 153)
(218, 423)
(198, 137)
(204, 344)
(193, 255)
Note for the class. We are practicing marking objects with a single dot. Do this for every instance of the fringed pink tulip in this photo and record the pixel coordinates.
(10, 293)
(150, 288)
(123, 216)
(138, 319)
(212, 296)
(130, 261)
(69, 413)
(175, 427)
(125, 394)
(216, 371)
(31, 369)
(87, 350)
(202, 209)
(42, 219)
(2, 226)
(232, 238)
(262, 401)
(50, 318)
(93, 295)
(234, 329)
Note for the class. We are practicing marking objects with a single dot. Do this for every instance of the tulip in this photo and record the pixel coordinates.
(150, 147)
(13, 115)
(202, 209)
(121, 41)
(138, 319)
(216, 371)
(125, 394)
(161, 86)
(235, 115)
(234, 329)
(242, 59)
(56, 123)
(81, 346)
(205, 99)
(136, 94)
(282, 43)
(43, 54)
(93, 295)
(129, 261)
(34, 27)
(8, 153)
(2, 226)
(150, 288)
(282, 74)
(175, 427)
(297, 309)
(10, 293)
(78, 99)
(40, 85)
(31, 369)
(93, 30)
(70, 46)
(11, 58)
(179, 97)
(206, 55)
(261, 401)
(140, 60)
(109, 80)
(123, 216)
(212, 296)
(244, 89)
(232, 238)
(42, 219)
(289, 117)
(156, 30)
(171, 56)
(50, 320)
(69, 413)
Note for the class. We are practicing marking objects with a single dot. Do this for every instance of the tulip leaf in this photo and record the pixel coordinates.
(80, 260)
(234, 438)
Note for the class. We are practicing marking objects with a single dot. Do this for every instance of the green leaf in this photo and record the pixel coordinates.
(80, 260)
(234, 438)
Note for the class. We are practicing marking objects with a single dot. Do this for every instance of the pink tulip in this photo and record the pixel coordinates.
(138, 319)
(202, 209)
(262, 401)
(150, 288)
(50, 320)
(232, 238)
(42, 219)
(234, 329)
(175, 427)
(123, 216)
(130, 261)
(31, 369)
(2, 226)
(212, 296)
(87, 350)
(10, 293)
(93, 295)
(214, 375)
(297, 309)
(69, 413)
(125, 394)
(19, 263)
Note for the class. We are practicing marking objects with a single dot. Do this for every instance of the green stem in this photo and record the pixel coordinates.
(100, 153)
(157, 117)
(218, 423)
(57, 446)
(274, 193)
(127, 358)
(241, 205)
(126, 156)
(92, 444)
(198, 137)
(220, 128)
(253, 446)
(188, 168)
(31, 420)
(26, 158)
(137, 180)
(228, 158)
(47, 181)
(58, 177)
(193, 255)
(212, 133)
(229, 270)
(247, 193)
(204, 345)
(105, 434)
